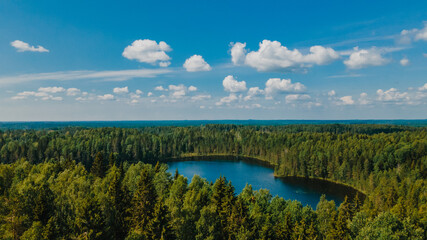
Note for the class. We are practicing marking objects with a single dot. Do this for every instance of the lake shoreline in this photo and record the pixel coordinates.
(227, 157)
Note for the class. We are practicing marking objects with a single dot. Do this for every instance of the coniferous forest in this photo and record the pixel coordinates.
(111, 183)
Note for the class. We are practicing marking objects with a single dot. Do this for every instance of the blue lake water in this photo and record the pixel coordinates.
(240, 173)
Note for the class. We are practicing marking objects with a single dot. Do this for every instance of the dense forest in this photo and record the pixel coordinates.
(110, 183)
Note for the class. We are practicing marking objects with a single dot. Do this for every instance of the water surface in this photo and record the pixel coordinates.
(307, 191)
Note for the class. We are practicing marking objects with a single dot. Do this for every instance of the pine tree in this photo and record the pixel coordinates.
(160, 226)
(143, 203)
(98, 167)
(119, 202)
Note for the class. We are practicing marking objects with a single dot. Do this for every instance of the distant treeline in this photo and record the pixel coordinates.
(387, 162)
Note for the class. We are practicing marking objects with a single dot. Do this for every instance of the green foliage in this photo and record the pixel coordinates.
(46, 191)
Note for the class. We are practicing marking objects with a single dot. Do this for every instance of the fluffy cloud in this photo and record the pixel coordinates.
(331, 93)
(122, 90)
(196, 63)
(361, 58)
(296, 97)
(25, 47)
(227, 100)
(363, 99)
(253, 92)
(391, 95)
(423, 88)
(160, 88)
(73, 91)
(232, 85)
(346, 100)
(179, 91)
(201, 97)
(277, 85)
(148, 51)
(43, 95)
(51, 89)
(404, 61)
(407, 36)
(272, 56)
(139, 92)
(238, 53)
(106, 97)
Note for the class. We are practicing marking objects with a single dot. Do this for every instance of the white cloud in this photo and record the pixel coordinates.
(232, 85)
(201, 97)
(73, 91)
(121, 90)
(277, 85)
(361, 58)
(422, 34)
(51, 89)
(160, 88)
(179, 91)
(196, 63)
(149, 94)
(423, 88)
(106, 97)
(227, 100)
(391, 95)
(120, 75)
(25, 47)
(404, 61)
(331, 93)
(363, 99)
(253, 92)
(296, 97)
(148, 51)
(346, 100)
(139, 92)
(272, 56)
(238, 53)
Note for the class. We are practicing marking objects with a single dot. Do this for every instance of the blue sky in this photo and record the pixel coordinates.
(161, 60)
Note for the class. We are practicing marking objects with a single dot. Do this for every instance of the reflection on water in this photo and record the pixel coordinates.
(307, 191)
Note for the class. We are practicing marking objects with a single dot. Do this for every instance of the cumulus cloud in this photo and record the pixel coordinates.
(106, 97)
(148, 51)
(51, 89)
(238, 53)
(201, 97)
(253, 92)
(196, 63)
(121, 90)
(180, 91)
(363, 99)
(160, 88)
(391, 95)
(361, 58)
(73, 91)
(346, 100)
(43, 93)
(25, 47)
(227, 100)
(331, 93)
(404, 61)
(139, 92)
(149, 94)
(272, 56)
(296, 97)
(232, 85)
(423, 88)
(277, 85)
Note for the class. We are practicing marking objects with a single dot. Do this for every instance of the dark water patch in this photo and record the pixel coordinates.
(240, 173)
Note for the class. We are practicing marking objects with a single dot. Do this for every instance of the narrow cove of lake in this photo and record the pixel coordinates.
(240, 173)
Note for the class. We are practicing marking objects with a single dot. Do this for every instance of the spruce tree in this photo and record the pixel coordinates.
(98, 166)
